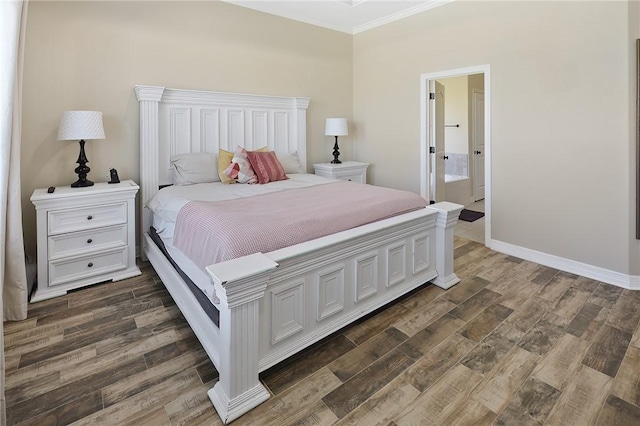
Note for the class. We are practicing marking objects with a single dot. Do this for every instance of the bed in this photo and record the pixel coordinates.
(270, 305)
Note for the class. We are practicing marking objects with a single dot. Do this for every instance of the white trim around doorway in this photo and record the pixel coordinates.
(424, 134)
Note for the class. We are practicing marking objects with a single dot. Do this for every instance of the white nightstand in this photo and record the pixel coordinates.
(349, 170)
(85, 236)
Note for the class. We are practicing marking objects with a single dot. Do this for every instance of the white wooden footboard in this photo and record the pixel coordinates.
(274, 305)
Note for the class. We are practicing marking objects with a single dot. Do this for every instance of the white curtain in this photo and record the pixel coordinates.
(13, 280)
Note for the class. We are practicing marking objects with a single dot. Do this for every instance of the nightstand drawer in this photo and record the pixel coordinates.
(67, 270)
(78, 243)
(61, 221)
(358, 177)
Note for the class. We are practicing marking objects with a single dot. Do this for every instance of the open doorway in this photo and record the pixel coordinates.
(455, 144)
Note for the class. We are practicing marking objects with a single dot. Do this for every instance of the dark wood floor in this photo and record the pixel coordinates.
(515, 343)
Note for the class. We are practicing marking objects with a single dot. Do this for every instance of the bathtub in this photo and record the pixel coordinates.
(457, 189)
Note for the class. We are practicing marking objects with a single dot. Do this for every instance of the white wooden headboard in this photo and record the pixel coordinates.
(175, 121)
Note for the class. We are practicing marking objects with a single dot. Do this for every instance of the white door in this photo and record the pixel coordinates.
(478, 145)
(436, 130)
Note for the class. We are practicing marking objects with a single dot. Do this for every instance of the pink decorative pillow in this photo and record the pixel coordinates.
(240, 168)
(266, 166)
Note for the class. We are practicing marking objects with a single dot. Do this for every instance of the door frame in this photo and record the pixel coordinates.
(425, 137)
(474, 146)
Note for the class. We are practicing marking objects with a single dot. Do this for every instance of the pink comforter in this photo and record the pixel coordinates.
(209, 232)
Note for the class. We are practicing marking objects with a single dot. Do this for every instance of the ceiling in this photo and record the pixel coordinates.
(349, 16)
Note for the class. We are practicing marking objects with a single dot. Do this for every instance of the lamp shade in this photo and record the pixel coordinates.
(76, 125)
(336, 127)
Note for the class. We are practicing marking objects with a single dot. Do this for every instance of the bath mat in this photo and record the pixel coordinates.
(470, 215)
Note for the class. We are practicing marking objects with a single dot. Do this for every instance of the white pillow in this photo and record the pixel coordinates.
(195, 168)
(290, 162)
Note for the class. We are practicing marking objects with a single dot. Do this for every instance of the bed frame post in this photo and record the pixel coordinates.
(149, 98)
(447, 218)
(240, 284)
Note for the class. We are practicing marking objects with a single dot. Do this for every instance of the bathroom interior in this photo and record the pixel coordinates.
(464, 146)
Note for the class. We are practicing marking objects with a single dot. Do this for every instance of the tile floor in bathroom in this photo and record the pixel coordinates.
(473, 231)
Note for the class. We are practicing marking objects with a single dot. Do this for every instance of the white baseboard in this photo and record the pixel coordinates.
(631, 282)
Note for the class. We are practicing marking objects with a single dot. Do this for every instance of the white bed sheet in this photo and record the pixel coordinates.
(166, 204)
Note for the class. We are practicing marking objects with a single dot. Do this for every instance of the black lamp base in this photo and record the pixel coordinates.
(336, 153)
(82, 170)
(81, 183)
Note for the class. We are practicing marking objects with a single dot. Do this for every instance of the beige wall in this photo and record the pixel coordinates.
(89, 55)
(560, 112)
(456, 111)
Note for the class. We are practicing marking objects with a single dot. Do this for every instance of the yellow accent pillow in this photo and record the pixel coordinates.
(224, 159)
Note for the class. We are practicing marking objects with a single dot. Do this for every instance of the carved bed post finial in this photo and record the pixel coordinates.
(447, 218)
(149, 98)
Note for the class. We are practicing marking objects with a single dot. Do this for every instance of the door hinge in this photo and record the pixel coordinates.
(432, 150)
(432, 96)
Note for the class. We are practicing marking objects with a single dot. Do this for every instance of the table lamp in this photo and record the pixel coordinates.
(81, 125)
(336, 127)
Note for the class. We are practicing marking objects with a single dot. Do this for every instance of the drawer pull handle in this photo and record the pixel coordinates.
(89, 241)
(90, 264)
(89, 217)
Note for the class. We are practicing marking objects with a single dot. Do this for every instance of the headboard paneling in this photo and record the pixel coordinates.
(174, 121)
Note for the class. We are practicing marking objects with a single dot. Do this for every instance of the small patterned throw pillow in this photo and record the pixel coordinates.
(240, 169)
(266, 166)
(224, 159)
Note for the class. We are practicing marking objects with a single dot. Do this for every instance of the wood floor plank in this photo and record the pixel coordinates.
(430, 368)
(422, 298)
(78, 341)
(475, 304)
(488, 353)
(148, 378)
(107, 303)
(68, 413)
(412, 322)
(627, 382)
(72, 391)
(426, 340)
(440, 400)
(625, 314)
(526, 313)
(518, 273)
(606, 295)
(530, 405)
(499, 268)
(619, 413)
(383, 406)
(562, 361)
(543, 275)
(594, 327)
(459, 294)
(470, 413)
(541, 337)
(483, 324)
(359, 388)
(557, 286)
(365, 330)
(607, 351)
(354, 361)
(586, 284)
(583, 319)
(290, 401)
(570, 303)
(190, 406)
(145, 404)
(582, 399)
(51, 365)
(157, 315)
(317, 414)
(497, 387)
(10, 327)
(296, 369)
